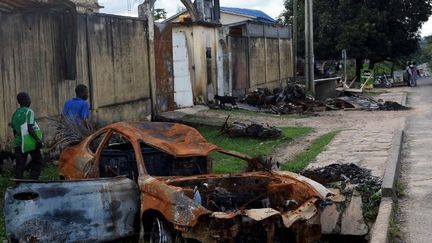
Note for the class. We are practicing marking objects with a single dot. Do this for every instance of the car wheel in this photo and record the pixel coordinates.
(158, 232)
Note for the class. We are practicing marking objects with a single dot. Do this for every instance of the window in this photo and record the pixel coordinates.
(118, 158)
(94, 144)
(158, 163)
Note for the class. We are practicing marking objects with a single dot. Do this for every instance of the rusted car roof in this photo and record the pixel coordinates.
(175, 139)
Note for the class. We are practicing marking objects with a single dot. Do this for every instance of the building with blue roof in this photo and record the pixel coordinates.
(256, 15)
(230, 15)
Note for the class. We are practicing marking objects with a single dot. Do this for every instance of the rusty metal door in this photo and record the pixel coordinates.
(240, 65)
(164, 68)
(182, 77)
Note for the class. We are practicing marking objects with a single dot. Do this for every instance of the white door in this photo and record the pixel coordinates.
(182, 78)
(220, 70)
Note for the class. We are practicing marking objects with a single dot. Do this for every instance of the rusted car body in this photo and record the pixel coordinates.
(181, 199)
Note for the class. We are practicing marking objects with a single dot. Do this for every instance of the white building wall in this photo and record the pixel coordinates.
(87, 6)
(226, 18)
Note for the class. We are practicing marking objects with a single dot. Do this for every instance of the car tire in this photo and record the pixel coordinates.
(158, 231)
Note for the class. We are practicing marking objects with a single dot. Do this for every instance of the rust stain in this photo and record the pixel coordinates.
(164, 68)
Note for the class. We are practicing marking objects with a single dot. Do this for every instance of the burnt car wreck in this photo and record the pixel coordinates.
(173, 195)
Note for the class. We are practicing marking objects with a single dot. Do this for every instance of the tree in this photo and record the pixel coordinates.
(368, 29)
(159, 14)
(424, 53)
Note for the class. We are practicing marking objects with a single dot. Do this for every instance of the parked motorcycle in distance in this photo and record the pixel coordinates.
(383, 81)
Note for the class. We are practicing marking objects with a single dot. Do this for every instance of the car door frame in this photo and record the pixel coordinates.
(136, 147)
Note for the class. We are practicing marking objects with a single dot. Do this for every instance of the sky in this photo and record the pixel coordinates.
(271, 7)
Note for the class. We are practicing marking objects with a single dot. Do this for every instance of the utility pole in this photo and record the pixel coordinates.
(309, 47)
(294, 32)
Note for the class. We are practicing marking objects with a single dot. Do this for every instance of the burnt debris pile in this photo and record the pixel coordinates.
(347, 173)
(293, 100)
(359, 102)
(357, 195)
(290, 100)
(249, 129)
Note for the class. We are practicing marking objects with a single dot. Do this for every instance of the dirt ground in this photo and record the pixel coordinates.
(323, 122)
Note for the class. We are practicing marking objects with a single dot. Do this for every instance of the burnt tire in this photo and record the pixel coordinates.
(158, 231)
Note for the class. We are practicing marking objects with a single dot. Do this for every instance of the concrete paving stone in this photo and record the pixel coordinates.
(329, 220)
(376, 160)
(338, 197)
(373, 153)
(352, 218)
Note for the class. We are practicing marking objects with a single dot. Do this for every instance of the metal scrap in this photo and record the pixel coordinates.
(290, 100)
(247, 207)
(71, 211)
(357, 102)
(293, 100)
(249, 129)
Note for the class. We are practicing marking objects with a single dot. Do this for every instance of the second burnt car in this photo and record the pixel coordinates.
(181, 200)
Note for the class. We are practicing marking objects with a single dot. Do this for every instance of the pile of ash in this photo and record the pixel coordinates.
(393, 106)
(348, 173)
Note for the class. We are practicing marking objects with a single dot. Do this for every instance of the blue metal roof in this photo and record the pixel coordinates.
(258, 14)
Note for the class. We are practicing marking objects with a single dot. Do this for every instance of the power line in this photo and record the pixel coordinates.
(131, 3)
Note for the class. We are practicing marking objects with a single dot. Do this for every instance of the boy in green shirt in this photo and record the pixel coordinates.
(25, 115)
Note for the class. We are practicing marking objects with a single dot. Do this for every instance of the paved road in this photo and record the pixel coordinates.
(416, 208)
(366, 145)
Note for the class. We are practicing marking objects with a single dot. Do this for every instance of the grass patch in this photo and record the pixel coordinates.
(371, 205)
(400, 189)
(241, 112)
(394, 228)
(48, 173)
(304, 158)
(250, 146)
(263, 114)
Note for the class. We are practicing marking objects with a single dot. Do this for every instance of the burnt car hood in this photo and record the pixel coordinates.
(183, 209)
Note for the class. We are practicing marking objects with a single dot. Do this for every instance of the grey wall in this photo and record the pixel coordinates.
(39, 51)
(260, 62)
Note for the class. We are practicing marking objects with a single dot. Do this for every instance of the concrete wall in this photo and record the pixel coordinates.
(111, 57)
(30, 61)
(117, 71)
(259, 62)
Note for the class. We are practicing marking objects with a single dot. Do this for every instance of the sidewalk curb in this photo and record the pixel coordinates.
(380, 231)
(393, 163)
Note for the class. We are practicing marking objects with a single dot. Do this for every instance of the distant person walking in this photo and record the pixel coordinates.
(408, 74)
(28, 139)
(76, 110)
(414, 74)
